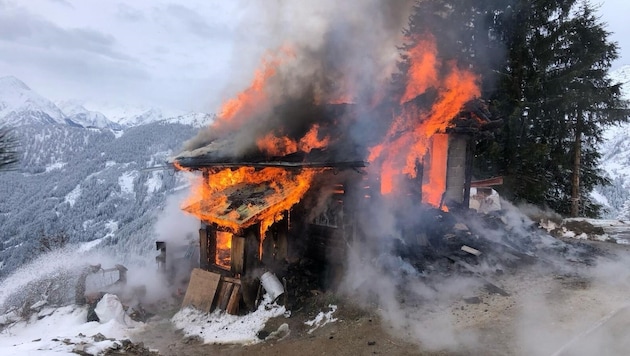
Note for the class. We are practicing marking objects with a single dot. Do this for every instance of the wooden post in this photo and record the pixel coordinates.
(252, 248)
(203, 249)
(238, 254)
(235, 298)
(225, 292)
(281, 239)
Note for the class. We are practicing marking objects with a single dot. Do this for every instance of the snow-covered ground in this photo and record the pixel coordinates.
(219, 327)
(60, 331)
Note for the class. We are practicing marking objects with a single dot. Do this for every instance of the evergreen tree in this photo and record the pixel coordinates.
(556, 100)
(593, 102)
(544, 66)
(8, 148)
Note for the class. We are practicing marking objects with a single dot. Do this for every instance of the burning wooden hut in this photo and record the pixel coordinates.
(258, 212)
(250, 211)
(271, 162)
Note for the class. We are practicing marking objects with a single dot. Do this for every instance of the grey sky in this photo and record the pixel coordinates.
(615, 14)
(188, 55)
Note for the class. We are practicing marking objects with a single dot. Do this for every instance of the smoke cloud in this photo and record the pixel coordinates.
(318, 53)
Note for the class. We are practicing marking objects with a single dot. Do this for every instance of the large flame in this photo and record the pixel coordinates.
(211, 200)
(235, 111)
(411, 136)
(408, 139)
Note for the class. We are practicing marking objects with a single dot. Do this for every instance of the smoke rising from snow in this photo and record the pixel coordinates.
(558, 300)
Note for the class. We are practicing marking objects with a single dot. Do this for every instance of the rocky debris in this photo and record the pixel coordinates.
(127, 347)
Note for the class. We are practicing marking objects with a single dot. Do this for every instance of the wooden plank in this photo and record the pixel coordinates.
(203, 249)
(471, 250)
(201, 289)
(238, 254)
(212, 244)
(225, 292)
(235, 298)
(232, 280)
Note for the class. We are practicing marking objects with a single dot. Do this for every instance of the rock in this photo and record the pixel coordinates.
(282, 332)
(99, 337)
(473, 300)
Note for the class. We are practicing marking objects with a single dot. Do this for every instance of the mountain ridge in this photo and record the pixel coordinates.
(21, 105)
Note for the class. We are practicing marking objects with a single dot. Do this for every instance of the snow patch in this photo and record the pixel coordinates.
(55, 166)
(222, 328)
(112, 226)
(154, 182)
(71, 198)
(126, 182)
(109, 308)
(322, 319)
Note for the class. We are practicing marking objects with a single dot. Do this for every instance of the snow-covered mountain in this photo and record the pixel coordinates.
(19, 105)
(84, 117)
(616, 159)
(170, 116)
(128, 116)
(84, 176)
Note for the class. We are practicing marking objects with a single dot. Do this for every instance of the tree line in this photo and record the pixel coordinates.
(544, 67)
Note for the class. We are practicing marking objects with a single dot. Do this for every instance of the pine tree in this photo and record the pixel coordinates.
(544, 66)
(556, 99)
(8, 149)
(593, 101)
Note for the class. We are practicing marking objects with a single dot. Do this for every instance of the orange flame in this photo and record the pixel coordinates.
(223, 256)
(237, 109)
(210, 201)
(283, 145)
(422, 69)
(407, 140)
(434, 183)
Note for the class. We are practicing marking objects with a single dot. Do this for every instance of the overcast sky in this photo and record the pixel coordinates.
(177, 54)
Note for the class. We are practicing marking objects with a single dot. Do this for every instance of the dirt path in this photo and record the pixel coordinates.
(544, 312)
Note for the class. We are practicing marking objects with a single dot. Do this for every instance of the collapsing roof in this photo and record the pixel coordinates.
(243, 205)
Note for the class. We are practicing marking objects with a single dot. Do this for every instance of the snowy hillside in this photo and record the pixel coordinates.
(19, 105)
(87, 185)
(616, 159)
